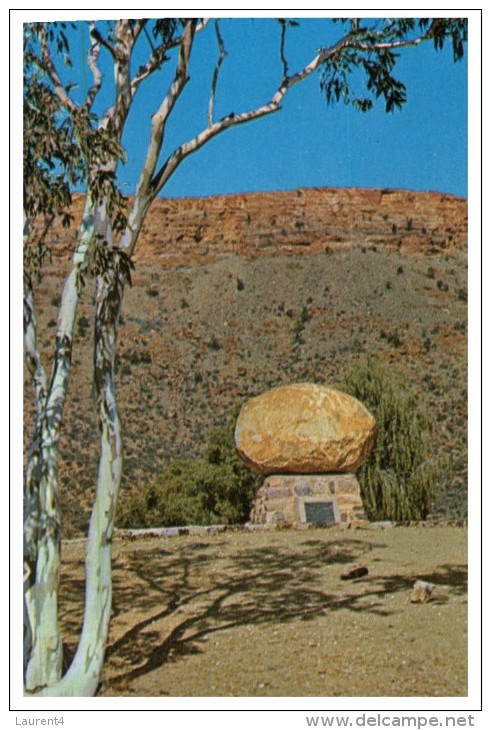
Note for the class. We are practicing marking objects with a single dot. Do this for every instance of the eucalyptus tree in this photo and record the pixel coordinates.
(65, 144)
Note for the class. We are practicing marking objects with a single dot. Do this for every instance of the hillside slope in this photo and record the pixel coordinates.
(236, 294)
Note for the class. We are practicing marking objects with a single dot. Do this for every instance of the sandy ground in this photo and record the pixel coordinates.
(266, 613)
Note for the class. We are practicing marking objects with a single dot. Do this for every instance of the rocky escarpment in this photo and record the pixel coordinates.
(189, 231)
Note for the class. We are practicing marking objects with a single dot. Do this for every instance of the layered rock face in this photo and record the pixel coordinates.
(190, 231)
(304, 429)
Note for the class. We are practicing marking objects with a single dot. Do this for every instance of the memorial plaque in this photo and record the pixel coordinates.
(300, 499)
(319, 512)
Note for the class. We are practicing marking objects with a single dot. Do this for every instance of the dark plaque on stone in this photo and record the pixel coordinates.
(319, 512)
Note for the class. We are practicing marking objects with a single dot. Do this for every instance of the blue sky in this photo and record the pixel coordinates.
(308, 143)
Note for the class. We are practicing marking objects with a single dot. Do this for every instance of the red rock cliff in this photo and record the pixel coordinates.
(196, 230)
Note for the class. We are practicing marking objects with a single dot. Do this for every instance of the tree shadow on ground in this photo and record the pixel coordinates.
(165, 603)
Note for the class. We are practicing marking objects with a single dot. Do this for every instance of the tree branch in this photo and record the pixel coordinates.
(223, 53)
(92, 58)
(53, 74)
(124, 46)
(158, 56)
(32, 355)
(99, 38)
(232, 120)
(388, 46)
(282, 48)
(138, 27)
(159, 119)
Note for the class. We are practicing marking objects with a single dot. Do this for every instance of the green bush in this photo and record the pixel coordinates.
(398, 480)
(217, 489)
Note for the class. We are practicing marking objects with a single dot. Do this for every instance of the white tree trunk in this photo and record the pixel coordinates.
(41, 594)
(31, 491)
(42, 522)
(84, 673)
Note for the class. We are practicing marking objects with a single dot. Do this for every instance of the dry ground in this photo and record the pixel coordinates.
(266, 613)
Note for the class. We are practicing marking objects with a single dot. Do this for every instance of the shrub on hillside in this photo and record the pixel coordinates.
(217, 489)
(398, 480)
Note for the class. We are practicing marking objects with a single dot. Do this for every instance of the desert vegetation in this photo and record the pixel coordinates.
(216, 489)
(399, 479)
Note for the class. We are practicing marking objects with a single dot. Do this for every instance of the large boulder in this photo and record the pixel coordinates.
(304, 429)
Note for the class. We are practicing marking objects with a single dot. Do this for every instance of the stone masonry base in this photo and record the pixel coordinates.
(297, 499)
